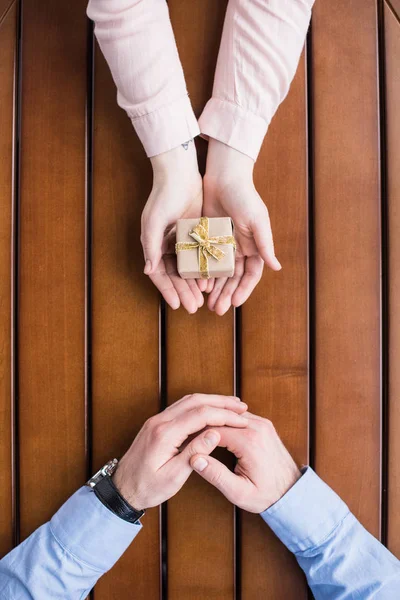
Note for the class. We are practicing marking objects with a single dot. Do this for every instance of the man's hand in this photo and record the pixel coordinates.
(177, 194)
(155, 467)
(229, 191)
(265, 471)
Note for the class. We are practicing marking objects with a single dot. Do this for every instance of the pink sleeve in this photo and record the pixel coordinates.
(138, 43)
(260, 49)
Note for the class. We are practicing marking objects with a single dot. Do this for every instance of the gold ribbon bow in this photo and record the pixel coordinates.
(206, 245)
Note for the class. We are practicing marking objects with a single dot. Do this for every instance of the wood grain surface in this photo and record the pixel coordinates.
(125, 340)
(347, 254)
(275, 335)
(200, 520)
(89, 346)
(52, 259)
(392, 46)
(8, 31)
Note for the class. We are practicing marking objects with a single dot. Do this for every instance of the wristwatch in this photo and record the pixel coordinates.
(103, 486)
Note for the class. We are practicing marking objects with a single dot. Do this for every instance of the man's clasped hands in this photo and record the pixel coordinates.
(180, 439)
(227, 189)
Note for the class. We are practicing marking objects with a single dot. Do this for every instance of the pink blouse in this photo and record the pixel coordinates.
(260, 49)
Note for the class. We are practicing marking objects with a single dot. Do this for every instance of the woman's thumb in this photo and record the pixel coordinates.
(152, 240)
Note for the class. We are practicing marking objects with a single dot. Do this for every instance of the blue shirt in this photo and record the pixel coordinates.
(65, 557)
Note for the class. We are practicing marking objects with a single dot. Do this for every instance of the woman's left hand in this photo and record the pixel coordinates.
(229, 191)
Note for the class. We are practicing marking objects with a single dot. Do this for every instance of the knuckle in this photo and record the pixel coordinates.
(251, 434)
(268, 426)
(149, 424)
(188, 397)
(202, 411)
(216, 479)
(158, 431)
(193, 449)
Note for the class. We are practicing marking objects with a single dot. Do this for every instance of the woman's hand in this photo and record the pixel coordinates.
(177, 194)
(229, 191)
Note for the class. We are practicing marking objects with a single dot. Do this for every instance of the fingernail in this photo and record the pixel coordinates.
(175, 304)
(200, 464)
(278, 264)
(211, 438)
(147, 267)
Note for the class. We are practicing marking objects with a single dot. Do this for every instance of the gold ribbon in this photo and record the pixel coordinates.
(206, 245)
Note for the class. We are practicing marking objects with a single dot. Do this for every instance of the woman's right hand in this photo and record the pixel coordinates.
(177, 194)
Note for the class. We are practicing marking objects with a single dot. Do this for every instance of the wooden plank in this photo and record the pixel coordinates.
(274, 335)
(125, 321)
(52, 258)
(347, 254)
(198, 508)
(8, 22)
(392, 49)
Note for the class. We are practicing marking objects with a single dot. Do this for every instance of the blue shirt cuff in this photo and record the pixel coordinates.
(307, 514)
(90, 532)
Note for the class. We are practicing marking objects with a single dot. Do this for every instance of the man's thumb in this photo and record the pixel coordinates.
(152, 240)
(217, 474)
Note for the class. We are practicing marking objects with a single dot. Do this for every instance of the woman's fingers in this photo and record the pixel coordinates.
(265, 245)
(224, 301)
(218, 287)
(192, 283)
(163, 283)
(202, 284)
(210, 285)
(152, 237)
(253, 269)
(185, 294)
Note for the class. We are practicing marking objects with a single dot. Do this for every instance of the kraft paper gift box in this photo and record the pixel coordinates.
(205, 247)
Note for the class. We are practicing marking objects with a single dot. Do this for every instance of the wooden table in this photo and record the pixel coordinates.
(87, 353)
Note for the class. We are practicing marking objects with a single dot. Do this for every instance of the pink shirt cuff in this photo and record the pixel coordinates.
(234, 126)
(167, 127)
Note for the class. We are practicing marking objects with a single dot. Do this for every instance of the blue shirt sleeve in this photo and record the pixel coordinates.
(341, 560)
(65, 557)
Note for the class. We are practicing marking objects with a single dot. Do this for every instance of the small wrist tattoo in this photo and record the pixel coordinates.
(185, 146)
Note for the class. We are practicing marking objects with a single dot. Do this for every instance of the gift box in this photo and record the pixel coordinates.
(205, 248)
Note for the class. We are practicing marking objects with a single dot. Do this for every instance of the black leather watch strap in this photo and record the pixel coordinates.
(109, 495)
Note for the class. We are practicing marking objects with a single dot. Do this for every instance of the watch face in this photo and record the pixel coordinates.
(108, 469)
(110, 466)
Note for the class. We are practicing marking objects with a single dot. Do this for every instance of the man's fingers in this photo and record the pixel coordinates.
(204, 443)
(197, 419)
(265, 244)
(179, 468)
(252, 274)
(229, 484)
(197, 400)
